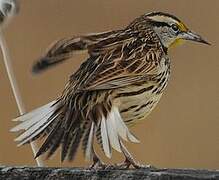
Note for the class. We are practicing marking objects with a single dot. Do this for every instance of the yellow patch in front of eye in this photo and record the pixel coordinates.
(177, 42)
(182, 26)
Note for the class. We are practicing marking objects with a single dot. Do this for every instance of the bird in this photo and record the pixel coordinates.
(117, 86)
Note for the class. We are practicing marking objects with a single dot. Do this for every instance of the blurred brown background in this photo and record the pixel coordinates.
(182, 131)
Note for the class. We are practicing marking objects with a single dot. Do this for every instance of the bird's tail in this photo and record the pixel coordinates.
(66, 126)
(34, 123)
(58, 122)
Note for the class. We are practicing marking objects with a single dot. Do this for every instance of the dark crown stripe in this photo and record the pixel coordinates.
(159, 24)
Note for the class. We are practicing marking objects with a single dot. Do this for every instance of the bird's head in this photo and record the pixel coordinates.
(171, 30)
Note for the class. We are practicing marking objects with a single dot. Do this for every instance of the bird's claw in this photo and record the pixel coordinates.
(98, 166)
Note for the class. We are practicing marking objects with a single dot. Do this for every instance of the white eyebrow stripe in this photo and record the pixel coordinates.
(162, 18)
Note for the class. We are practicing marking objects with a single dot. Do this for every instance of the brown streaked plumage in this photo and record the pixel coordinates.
(119, 84)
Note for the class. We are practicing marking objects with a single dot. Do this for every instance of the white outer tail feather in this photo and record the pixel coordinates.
(105, 138)
(121, 127)
(112, 130)
(32, 114)
(34, 122)
(89, 150)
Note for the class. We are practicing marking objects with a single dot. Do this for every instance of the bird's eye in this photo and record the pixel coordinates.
(175, 27)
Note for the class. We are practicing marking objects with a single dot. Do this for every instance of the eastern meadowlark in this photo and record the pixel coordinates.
(120, 83)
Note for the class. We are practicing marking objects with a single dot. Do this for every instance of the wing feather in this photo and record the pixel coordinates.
(127, 63)
(64, 49)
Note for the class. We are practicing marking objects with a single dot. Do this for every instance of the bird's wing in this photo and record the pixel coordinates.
(119, 61)
(63, 49)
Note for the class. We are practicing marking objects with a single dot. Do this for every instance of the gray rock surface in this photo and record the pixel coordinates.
(32, 173)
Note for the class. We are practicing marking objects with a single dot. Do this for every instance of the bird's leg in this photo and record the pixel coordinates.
(97, 163)
(129, 160)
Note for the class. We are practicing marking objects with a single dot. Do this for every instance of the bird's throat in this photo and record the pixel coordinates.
(177, 42)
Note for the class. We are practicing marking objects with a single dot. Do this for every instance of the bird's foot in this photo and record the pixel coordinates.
(98, 165)
(127, 164)
(131, 162)
(136, 164)
(124, 165)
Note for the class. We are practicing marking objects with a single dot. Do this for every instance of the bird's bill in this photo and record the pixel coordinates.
(192, 36)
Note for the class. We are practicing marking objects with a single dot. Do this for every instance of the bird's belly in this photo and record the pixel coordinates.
(138, 104)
